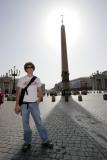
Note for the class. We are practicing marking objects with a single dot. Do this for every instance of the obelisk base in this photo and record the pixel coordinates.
(65, 89)
(65, 84)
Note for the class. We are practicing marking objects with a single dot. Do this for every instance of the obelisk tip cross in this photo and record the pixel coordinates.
(62, 18)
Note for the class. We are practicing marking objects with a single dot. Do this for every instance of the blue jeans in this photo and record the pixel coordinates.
(33, 108)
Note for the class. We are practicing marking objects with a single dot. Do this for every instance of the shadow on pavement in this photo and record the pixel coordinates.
(38, 153)
(70, 141)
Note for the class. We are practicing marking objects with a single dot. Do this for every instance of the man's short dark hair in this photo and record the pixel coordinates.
(29, 64)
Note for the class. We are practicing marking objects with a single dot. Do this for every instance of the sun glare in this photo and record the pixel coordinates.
(53, 23)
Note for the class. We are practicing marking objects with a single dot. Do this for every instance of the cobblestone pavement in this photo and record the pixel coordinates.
(71, 142)
(95, 104)
(89, 114)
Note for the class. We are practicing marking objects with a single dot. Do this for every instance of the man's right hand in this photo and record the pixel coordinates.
(17, 109)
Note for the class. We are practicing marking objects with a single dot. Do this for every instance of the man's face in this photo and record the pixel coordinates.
(29, 69)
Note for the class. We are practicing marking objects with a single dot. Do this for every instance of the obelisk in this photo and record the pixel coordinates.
(65, 72)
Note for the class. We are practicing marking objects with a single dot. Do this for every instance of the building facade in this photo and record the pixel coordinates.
(6, 84)
(82, 83)
(96, 82)
(99, 81)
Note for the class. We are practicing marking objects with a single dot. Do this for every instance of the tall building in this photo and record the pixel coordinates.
(6, 84)
(82, 83)
(99, 81)
(64, 60)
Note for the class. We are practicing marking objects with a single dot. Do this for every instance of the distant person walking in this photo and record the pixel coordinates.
(1, 97)
(30, 105)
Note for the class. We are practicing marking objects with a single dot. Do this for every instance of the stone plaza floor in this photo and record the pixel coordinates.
(71, 140)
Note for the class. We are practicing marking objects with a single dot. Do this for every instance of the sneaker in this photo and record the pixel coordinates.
(47, 144)
(26, 147)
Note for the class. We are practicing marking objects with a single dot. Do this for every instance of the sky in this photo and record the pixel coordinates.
(30, 31)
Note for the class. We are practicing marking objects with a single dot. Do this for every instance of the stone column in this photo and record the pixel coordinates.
(64, 60)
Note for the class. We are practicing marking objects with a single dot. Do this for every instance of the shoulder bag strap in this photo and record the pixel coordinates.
(33, 78)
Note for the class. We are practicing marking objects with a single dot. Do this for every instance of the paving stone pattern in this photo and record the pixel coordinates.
(71, 142)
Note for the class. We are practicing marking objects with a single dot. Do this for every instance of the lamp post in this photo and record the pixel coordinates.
(14, 72)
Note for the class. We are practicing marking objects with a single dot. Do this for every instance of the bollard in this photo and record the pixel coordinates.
(53, 98)
(105, 96)
(41, 99)
(11, 98)
(79, 98)
(66, 98)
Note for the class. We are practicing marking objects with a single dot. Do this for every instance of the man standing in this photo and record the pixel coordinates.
(30, 106)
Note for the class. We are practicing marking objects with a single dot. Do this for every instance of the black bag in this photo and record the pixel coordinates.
(25, 90)
(21, 96)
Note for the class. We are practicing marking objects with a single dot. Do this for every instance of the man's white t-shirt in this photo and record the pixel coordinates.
(32, 89)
